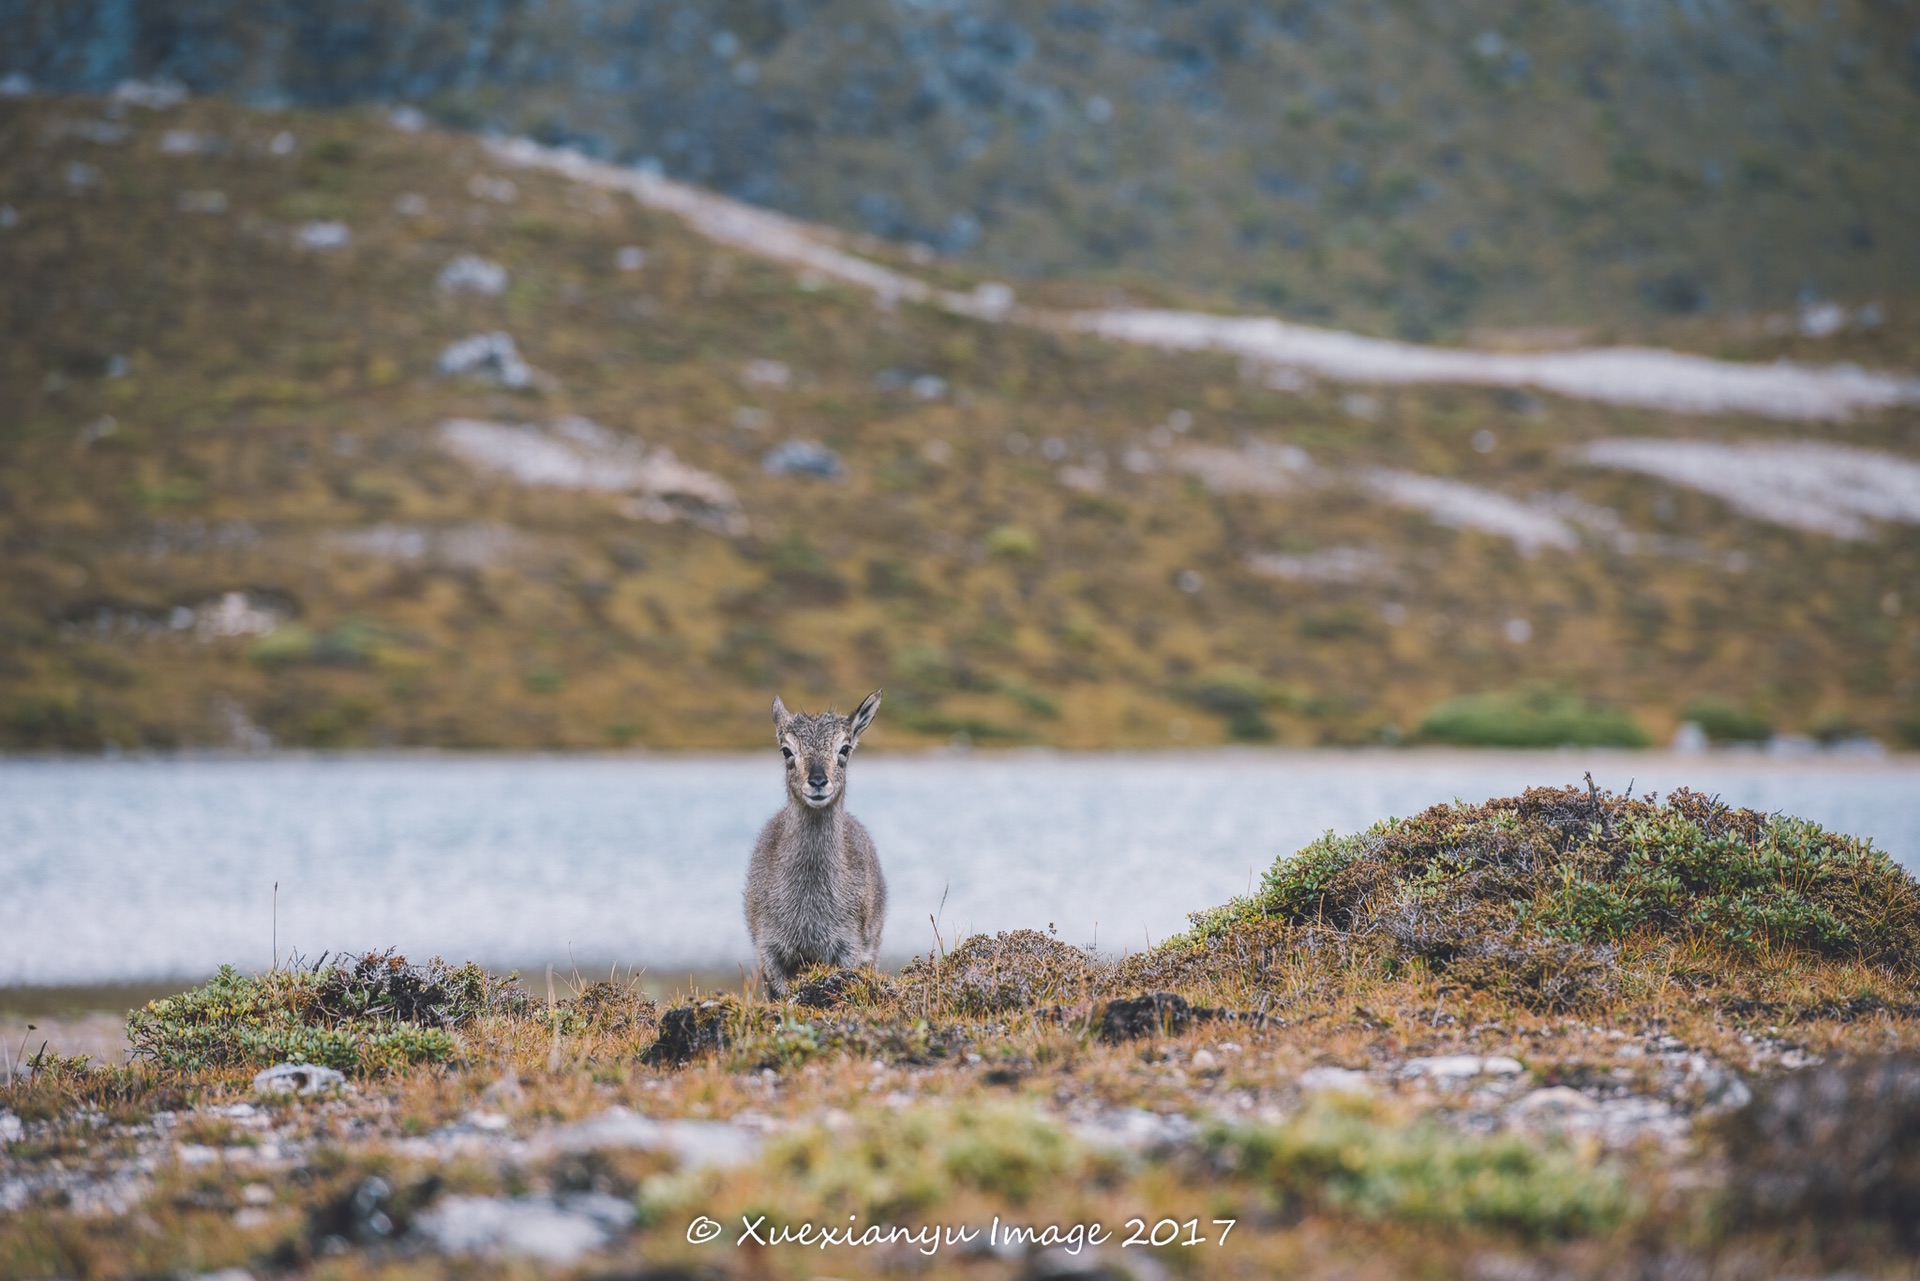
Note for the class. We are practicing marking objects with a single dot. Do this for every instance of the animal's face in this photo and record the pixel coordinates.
(816, 749)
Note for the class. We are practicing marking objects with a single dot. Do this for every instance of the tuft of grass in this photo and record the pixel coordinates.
(369, 1015)
(1534, 717)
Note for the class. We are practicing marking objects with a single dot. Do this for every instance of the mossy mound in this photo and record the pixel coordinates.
(367, 1015)
(1545, 897)
(826, 988)
(607, 1008)
(993, 973)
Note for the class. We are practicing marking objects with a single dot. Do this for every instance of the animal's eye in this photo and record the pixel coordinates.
(844, 749)
(787, 752)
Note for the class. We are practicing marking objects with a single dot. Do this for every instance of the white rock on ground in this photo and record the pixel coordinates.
(154, 95)
(802, 458)
(476, 545)
(490, 357)
(1328, 565)
(323, 237)
(1462, 1067)
(1649, 378)
(696, 1143)
(576, 453)
(1254, 468)
(1334, 1080)
(1821, 488)
(471, 273)
(297, 1078)
(552, 1230)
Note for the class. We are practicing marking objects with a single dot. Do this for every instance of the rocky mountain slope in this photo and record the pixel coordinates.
(1416, 170)
(319, 430)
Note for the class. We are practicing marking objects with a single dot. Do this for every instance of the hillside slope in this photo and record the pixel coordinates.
(240, 501)
(1414, 170)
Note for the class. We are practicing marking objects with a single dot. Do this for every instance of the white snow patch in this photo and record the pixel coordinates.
(1455, 503)
(1821, 488)
(1648, 378)
(1645, 377)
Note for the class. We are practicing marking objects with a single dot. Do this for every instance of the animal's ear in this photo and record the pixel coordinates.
(781, 718)
(863, 715)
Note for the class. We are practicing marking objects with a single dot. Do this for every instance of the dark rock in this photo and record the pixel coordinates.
(802, 458)
(1836, 1144)
(1155, 1014)
(691, 1030)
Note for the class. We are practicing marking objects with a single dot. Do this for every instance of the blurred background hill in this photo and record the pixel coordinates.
(323, 425)
(1419, 170)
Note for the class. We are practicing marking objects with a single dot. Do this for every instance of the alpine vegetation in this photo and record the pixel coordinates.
(815, 894)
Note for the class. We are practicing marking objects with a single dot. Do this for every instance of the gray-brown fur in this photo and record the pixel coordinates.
(815, 895)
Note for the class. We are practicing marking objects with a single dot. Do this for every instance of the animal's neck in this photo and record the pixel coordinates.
(820, 830)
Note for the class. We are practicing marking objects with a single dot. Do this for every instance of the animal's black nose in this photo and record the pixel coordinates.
(816, 776)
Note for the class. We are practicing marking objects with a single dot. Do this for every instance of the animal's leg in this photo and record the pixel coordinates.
(776, 973)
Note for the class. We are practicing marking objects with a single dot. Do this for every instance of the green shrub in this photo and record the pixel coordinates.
(1013, 542)
(369, 1015)
(1241, 698)
(1726, 724)
(1529, 718)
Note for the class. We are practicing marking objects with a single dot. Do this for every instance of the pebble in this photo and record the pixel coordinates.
(295, 1078)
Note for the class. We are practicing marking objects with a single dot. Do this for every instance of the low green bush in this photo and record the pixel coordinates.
(367, 1015)
(1723, 723)
(1536, 717)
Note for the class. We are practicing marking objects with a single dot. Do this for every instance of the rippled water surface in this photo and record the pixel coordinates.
(118, 871)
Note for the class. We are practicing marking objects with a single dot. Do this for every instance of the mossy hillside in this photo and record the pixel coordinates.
(273, 432)
(1560, 896)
